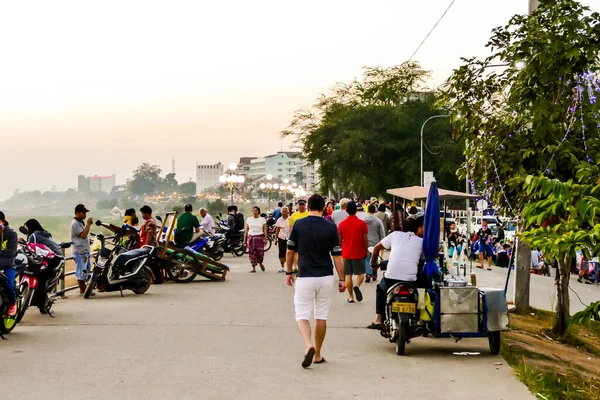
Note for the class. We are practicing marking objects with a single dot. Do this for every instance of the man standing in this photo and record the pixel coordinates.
(500, 235)
(403, 265)
(485, 248)
(315, 241)
(9, 241)
(188, 227)
(301, 213)
(278, 211)
(339, 215)
(282, 232)
(376, 235)
(384, 218)
(208, 223)
(360, 213)
(149, 229)
(81, 245)
(354, 240)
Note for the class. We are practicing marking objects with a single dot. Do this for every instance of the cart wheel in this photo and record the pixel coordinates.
(494, 339)
(182, 267)
(401, 340)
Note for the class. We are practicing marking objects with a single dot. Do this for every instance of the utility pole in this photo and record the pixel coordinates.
(523, 255)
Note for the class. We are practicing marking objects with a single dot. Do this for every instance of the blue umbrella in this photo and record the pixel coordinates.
(431, 235)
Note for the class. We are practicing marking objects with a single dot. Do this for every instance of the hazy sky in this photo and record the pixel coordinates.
(99, 87)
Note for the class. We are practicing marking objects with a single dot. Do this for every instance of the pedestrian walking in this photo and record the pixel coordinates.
(282, 233)
(485, 249)
(375, 235)
(80, 229)
(254, 238)
(301, 213)
(315, 241)
(354, 241)
(340, 214)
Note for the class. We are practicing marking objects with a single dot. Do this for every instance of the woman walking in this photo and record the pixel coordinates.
(254, 238)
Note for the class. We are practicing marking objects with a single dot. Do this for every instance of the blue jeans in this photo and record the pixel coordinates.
(10, 274)
(83, 265)
(368, 264)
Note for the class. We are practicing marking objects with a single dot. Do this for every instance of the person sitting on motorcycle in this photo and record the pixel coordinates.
(37, 234)
(9, 241)
(188, 227)
(403, 264)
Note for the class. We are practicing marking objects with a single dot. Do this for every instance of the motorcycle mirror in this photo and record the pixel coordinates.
(23, 230)
(159, 218)
(98, 223)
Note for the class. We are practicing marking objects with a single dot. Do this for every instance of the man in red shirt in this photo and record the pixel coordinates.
(149, 229)
(354, 240)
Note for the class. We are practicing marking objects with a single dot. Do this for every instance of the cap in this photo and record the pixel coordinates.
(359, 207)
(301, 202)
(81, 208)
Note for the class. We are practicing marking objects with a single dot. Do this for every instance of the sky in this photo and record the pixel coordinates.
(100, 87)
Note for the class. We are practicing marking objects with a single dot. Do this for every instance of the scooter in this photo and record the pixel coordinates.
(233, 242)
(212, 245)
(42, 269)
(7, 324)
(129, 271)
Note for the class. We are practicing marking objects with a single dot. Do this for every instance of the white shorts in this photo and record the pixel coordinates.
(313, 295)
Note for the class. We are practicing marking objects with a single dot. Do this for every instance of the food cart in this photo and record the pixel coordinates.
(180, 264)
(451, 307)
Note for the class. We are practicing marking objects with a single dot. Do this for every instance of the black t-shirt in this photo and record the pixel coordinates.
(484, 235)
(315, 240)
(500, 234)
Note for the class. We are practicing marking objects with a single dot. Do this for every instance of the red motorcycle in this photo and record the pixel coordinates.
(41, 273)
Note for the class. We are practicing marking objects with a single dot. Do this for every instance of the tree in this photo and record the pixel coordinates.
(538, 116)
(187, 188)
(365, 135)
(146, 178)
(169, 183)
(565, 218)
(525, 119)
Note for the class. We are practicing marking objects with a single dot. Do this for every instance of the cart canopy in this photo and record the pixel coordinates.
(419, 193)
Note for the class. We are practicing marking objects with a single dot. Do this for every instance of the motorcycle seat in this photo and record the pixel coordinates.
(131, 256)
(64, 245)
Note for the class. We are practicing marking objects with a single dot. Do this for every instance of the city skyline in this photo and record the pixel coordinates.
(99, 90)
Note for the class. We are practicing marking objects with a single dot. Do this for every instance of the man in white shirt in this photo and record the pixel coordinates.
(207, 224)
(403, 264)
(339, 215)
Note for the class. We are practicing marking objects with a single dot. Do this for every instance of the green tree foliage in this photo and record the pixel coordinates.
(108, 204)
(527, 118)
(366, 134)
(564, 217)
(187, 188)
(145, 180)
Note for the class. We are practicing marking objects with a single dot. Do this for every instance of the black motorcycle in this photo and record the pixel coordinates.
(130, 270)
(234, 240)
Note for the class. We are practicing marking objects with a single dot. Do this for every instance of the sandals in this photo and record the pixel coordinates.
(375, 326)
(308, 357)
(349, 301)
(321, 361)
(358, 294)
(262, 268)
(253, 271)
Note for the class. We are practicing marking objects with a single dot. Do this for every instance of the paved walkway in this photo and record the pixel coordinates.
(229, 340)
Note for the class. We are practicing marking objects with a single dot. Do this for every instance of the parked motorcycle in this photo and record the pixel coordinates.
(130, 270)
(212, 245)
(42, 269)
(7, 324)
(233, 242)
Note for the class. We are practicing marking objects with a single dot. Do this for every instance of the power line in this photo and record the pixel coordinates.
(432, 29)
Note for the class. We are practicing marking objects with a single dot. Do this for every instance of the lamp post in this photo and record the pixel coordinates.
(422, 127)
(269, 186)
(230, 179)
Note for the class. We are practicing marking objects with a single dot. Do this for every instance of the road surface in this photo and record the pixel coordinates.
(229, 340)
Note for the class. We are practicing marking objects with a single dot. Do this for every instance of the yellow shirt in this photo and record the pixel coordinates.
(296, 216)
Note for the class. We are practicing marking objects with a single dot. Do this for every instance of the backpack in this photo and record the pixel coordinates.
(240, 223)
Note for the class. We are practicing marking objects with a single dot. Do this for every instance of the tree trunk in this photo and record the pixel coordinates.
(563, 303)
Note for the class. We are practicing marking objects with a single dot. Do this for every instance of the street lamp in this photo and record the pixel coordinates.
(422, 127)
(231, 180)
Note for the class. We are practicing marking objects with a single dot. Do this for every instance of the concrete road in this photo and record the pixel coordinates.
(229, 340)
(542, 288)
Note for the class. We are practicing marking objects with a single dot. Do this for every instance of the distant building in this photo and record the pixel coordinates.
(243, 167)
(282, 165)
(310, 177)
(207, 176)
(96, 183)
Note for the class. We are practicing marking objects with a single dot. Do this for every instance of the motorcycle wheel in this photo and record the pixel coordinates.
(401, 339)
(25, 296)
(91, 283)
(239, 251)
(494, 341)
(268, 244)
(48, 302)
(182, 267)
(217, 255)
(149, 279)
(7, 324)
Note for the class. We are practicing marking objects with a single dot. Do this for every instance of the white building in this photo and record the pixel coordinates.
(207, 176)
(96, 183)
(310, 177)
(282, 165)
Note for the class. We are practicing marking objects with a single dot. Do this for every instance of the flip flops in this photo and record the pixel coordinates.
(321, 361)
(358, 294)
(308, 357)
(375, 326)
(349, 301)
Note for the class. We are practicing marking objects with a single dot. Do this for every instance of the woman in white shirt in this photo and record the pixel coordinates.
(254, 239)
(283, 234)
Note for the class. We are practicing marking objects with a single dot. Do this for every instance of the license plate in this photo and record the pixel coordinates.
(405, 308)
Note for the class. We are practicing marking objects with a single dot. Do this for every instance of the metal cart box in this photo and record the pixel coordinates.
(459, 300)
